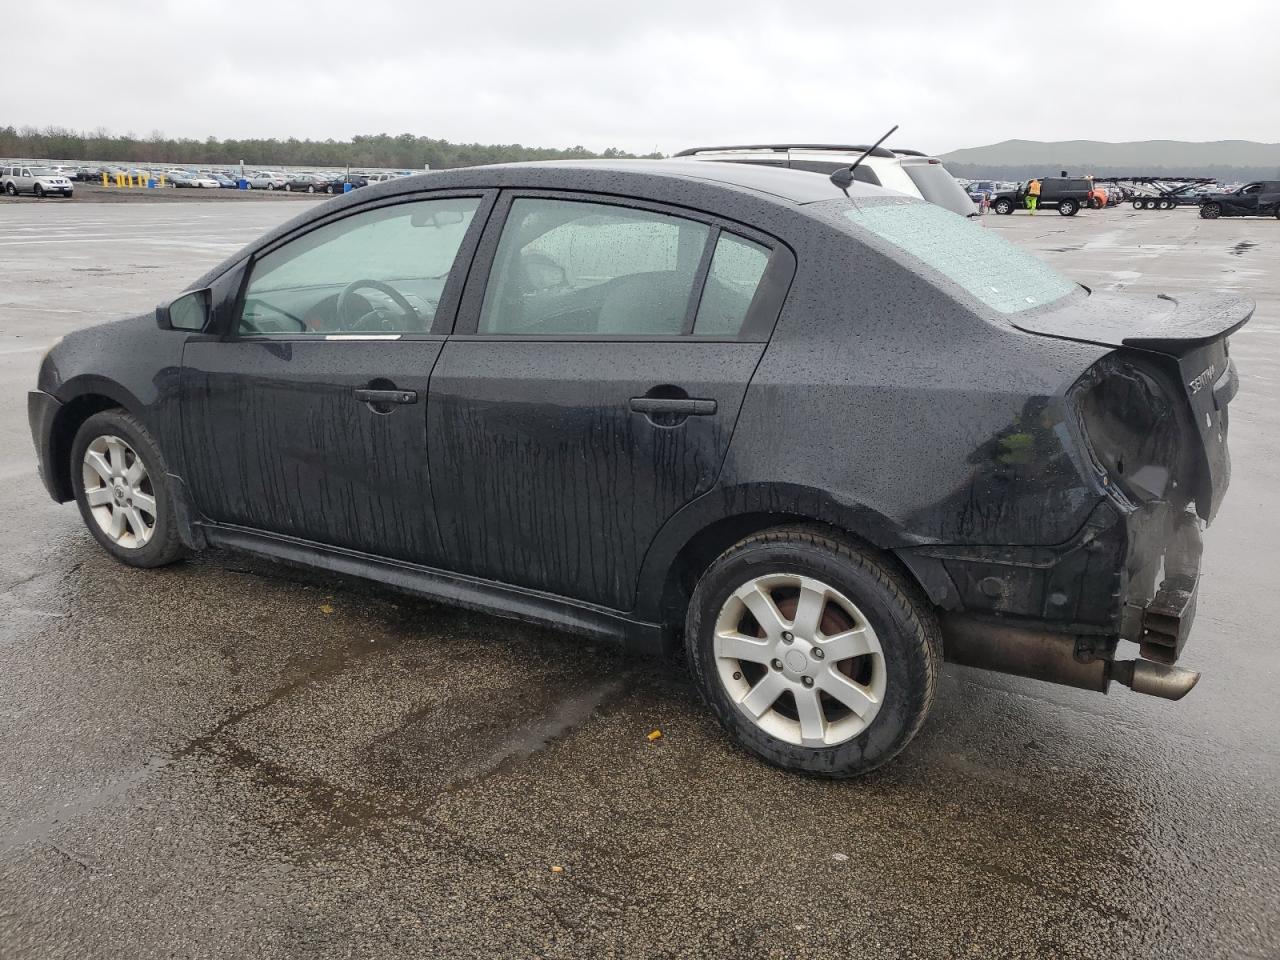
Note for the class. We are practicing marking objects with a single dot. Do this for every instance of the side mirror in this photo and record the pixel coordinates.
(189, 312)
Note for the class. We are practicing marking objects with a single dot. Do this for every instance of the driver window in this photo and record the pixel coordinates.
(1252, 188)
(564, 267)
(378, 272)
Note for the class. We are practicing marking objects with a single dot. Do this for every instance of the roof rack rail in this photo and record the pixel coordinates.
(909, 153)
(782, 147)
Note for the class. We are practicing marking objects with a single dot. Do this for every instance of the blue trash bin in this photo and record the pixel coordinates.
(242, 184)
(151, 183)
(348, 187)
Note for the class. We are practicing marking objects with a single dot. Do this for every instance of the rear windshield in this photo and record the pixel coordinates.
(938, 186)
(1002, 276)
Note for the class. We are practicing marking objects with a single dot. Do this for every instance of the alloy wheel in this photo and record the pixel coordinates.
(119, 492)
(799, 660)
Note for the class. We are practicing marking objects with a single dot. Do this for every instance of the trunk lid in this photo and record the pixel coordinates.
(1191, 331)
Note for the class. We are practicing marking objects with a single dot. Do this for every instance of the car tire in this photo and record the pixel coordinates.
(67, 194)
(1210, 211)
(11, 189)
(1095, 203)
(1003, 206)
(859, 598)
(271, 186)
(127, 467)
(1068, 208)
(311, 188)
(288, 188)
(38, 191)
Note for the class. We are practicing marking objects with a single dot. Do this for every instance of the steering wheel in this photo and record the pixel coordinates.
(412, 320)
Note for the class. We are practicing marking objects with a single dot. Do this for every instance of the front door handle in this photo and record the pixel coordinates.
(673, 406)
(386, 396)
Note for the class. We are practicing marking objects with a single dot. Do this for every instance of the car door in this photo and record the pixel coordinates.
(305, 416)
(1245, 201)
(591, 387)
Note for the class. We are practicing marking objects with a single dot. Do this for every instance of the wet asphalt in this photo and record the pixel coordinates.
(227, 758)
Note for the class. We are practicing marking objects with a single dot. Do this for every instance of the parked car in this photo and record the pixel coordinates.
(1064, 194)
(306, 182)
(185, 178)
(981, 191)
(223, 181)
(1258, 199)
(267, 180)
(819, 437)
(882, 167)
(25, 178)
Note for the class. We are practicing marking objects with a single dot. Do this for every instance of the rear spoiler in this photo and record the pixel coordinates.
(1174, 326)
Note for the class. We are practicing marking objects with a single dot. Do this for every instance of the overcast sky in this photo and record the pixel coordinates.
(652, 73)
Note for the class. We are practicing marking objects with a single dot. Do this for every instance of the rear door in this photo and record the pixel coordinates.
(306, 416)
(602, 353)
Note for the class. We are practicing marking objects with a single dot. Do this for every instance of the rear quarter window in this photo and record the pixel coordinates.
(994, 271)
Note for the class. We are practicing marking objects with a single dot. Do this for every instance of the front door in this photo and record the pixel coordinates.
(1245, 201)
(308, 417)
(592, 387)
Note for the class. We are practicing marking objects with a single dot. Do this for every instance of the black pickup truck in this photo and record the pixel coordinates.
(1065, 194)
(1258, 199)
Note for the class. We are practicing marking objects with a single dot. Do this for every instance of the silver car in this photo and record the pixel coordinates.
(38, 180)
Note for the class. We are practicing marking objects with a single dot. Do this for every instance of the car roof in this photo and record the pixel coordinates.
(794, 186)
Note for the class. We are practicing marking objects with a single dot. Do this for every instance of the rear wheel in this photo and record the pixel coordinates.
(11, 189)
(1004, 206)
(121, 486)
(311, 188)
(38, 190)
(288, 188)
(813, 654)
(1210, 211)
(1068, 208)
(271, 186)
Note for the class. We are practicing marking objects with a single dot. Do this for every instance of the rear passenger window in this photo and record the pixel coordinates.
(736, 269)
(564, 267)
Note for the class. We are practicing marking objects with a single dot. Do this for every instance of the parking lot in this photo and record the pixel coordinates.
(226, 758)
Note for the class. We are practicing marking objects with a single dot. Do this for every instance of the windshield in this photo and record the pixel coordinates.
(1002, 276)
(938, 186)
(44, 172)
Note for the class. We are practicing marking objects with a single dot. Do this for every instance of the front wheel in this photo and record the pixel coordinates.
(38, 191)
(1210, 211)
(1068, 208)
(122, 488)
(311, 188)
(1004, 207)
(11, 189)
(271, 186)
(813, 654)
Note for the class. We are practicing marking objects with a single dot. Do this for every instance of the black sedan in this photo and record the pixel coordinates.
(1258, 199)
(818, 437)
(307, 183)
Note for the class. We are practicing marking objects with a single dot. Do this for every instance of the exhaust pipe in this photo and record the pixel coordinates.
(1154, 679)
(1041, 655)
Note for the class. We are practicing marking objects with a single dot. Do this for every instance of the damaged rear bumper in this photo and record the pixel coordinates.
(1130, 573)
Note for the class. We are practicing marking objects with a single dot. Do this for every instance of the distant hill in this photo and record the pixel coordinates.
(1225, 159)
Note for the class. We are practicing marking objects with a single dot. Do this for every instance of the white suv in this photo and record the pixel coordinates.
(32, 179)
(906, 171)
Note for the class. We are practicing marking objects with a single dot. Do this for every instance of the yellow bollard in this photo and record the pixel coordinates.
(119, 179)
(104, 178)
(161, 180)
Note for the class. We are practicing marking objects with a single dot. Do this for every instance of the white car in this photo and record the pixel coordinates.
(267, 180)
(906, 171)
(41, 181)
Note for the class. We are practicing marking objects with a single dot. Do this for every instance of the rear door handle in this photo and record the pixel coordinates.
(386, 396)
(672, 406)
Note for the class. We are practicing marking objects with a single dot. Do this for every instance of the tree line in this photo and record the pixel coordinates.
(405, 151)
